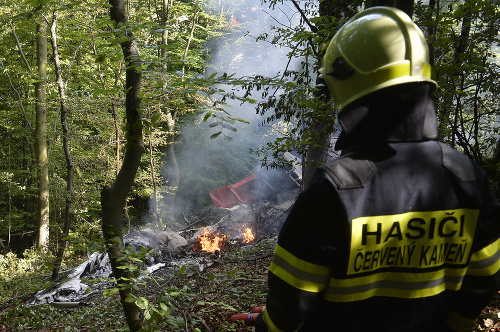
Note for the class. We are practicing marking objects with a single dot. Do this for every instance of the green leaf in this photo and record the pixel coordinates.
(164, 306)
(182, 269)
(230, 127)
(240, 120)
(130, 298)
(207, 116)
(215, 135)
(155, 117)
(110, 291)
(142, 302)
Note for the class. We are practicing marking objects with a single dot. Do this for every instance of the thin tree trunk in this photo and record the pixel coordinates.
(373, 3)
(20, 49)
(116, 125)
(41, 139)
(173, 176)
(431, 31)
(317, 154)
(153, 180)
(193, 26)
(67, 153)
(10, 202)
(113, 198)
(405, 5)
(460, 48)
(164, 35)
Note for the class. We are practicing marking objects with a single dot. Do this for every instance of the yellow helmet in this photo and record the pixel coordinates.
(375, 49)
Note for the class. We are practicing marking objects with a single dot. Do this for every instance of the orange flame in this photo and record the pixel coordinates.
(248, 235)
(210, 242)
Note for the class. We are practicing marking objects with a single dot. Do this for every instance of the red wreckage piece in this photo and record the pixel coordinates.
(258, 187)
(236, 193)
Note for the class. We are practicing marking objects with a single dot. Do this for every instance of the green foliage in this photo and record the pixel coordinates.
(463, 39)
(19, 276)
(11, 265)
(93, 70)
(84, 318)
(464, 44)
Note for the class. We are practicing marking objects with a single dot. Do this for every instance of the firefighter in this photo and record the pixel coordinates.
(400, 233)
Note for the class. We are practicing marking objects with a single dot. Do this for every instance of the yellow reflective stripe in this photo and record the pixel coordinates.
(486, 261)
(426, 70)
(300, 263)
(399, 70)
(460, 323)
(299, 273)
(388, 73)
(394, 284)
(269, 323)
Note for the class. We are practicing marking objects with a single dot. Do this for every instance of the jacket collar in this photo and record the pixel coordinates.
(396, 114)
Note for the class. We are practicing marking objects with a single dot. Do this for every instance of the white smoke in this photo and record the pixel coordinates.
(207, 164)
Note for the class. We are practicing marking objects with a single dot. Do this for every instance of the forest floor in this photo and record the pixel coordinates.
(194, 300)
(234, 282)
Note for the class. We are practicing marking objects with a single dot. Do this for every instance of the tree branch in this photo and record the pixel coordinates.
(20, 49)
(20, 101)
(304, 17)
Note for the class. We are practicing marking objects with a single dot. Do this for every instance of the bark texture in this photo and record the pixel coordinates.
(67, 153)
(41, 138)
(113, 198)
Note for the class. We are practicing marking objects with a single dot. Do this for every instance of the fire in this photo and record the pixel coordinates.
(248, 235)
(210, 241)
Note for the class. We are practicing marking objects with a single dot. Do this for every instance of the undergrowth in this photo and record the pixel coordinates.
(183, 299)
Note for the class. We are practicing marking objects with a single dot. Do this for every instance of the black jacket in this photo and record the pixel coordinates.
(399, 234)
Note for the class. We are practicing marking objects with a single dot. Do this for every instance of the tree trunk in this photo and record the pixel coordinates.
(432, 30)
(373, 3)
(67, 153)
(115, 122)
(460, 48)
(164, 36)
(113, 198)
(405, 5)
(318, 154)
(153, 181)
(41, 139)
(193, 26)
(172, 176)
(10, 201)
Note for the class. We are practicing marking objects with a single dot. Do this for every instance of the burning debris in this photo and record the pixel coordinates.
(248, 235)
(241, 225)
(210, 241)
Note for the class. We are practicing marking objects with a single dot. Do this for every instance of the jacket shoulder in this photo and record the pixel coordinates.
(457, 163)
(350, 171)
